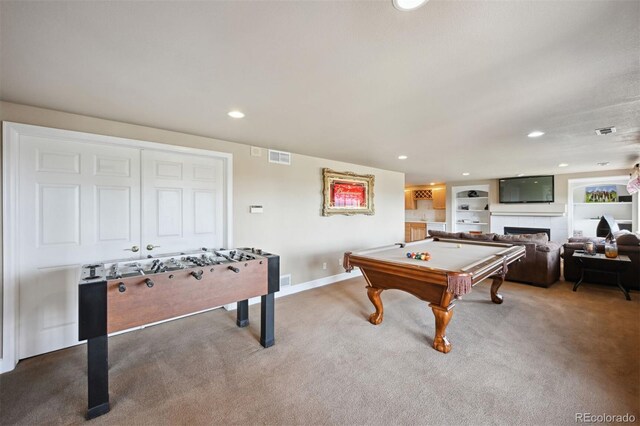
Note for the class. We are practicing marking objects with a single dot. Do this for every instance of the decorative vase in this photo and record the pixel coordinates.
(611, 249)
(590, 248)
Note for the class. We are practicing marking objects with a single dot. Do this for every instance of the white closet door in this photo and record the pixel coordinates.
(79, 203)
(183, 200)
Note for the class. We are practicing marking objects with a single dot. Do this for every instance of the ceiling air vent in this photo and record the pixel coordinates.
(605, 130)
(280, 157)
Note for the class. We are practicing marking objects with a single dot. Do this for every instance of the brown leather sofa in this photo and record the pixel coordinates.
(628, 244)
(541, 265)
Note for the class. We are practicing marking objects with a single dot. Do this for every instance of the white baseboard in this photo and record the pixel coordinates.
(320, 282)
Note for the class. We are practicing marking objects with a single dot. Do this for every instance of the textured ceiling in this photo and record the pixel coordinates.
(455, 85)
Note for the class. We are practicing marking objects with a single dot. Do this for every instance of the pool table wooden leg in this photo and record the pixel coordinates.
(374, 295)
(495, 285)
(443, 316)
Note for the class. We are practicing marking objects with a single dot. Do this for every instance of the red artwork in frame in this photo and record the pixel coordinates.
(347, 193)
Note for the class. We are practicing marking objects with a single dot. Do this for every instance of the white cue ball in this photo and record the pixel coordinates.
(459, 245)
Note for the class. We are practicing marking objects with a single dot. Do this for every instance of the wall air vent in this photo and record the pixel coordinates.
(605, 131)
(280, 157)
(285, 280)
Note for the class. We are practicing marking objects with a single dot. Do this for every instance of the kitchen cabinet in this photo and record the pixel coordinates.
(439, 198)
(410, 202)
(414, 231)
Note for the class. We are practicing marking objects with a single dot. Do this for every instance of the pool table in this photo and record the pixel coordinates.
(454, 268)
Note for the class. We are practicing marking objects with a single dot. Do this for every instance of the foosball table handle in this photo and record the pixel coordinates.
(148, 282)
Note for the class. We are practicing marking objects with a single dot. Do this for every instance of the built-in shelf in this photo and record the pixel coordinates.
(475, 208)
(617, 220)
(581, 214)
(605, 204)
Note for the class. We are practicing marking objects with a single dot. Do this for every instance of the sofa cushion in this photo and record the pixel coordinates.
(477, 237)
(443, 234)
(539, 238)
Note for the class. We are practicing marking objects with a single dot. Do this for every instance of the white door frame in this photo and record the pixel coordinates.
(10, 218)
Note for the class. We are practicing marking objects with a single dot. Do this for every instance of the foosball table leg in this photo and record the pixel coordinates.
(267, 311)
(243, 313)
(98, 376)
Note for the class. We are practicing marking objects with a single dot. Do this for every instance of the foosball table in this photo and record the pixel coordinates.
(121, 295)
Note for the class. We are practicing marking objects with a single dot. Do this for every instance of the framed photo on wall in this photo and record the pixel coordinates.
(347, 193)
(601, 194)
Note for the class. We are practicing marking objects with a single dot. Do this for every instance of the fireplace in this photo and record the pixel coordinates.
(513, 230)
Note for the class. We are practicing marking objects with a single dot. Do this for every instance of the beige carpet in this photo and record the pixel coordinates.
(539, 358)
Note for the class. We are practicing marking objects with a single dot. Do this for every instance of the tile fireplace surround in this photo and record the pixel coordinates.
(557, 225)
(513, 230)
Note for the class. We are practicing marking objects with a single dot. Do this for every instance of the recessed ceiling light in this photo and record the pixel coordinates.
(465, 174)
(402, 157)
(235, 114)
(563, 165)
(520, 174)
(604, 163)
(405, 5)
(535, 134)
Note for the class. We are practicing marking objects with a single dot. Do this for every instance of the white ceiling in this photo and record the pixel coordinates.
(455, 85)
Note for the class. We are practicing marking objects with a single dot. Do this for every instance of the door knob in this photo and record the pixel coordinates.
(133, 249)
(151, 247)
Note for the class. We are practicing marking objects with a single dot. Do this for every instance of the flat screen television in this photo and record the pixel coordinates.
(526, 189)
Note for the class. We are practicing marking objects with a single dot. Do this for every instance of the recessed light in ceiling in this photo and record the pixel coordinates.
(603, 163)
(405, 5)
(520, 174)
(402, 157)
(235, 114)
(535, 134)
(465, 174)
(563, 165)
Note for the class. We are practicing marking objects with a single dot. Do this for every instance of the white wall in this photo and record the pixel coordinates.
(291, 225)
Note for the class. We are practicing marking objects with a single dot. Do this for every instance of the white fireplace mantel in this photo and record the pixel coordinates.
(525, 209)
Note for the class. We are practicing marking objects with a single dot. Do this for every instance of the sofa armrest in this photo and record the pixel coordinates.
(548, 247)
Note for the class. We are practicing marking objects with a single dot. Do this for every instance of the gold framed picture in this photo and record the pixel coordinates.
(347, 193)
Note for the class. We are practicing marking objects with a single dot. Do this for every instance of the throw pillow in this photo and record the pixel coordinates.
(477, 237)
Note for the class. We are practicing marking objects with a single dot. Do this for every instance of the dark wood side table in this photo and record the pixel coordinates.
(600, 263)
